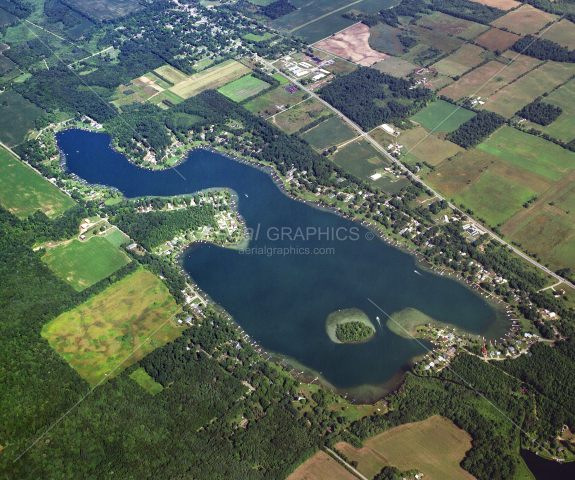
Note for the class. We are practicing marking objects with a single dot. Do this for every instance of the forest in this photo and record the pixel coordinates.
(539, 112)
(277, 9)
(355, 93)
(543, 49)
(476, 129)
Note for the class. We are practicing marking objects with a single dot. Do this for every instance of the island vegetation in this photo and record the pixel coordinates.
(353, 332)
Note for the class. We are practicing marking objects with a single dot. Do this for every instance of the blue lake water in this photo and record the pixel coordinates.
(282, 301)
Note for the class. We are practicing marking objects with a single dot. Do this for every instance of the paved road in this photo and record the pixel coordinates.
(412, 175)
(348, 465)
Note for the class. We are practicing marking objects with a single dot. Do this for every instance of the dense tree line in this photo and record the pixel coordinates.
(543, 49)
(355, 94)
(277, 9)
(476, 129)
(353, 331)
(56, 12)
(540, 112)
(151, 229)
(19, 8)
(468, 10)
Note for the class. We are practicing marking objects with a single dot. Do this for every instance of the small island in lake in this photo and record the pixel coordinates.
(350, 325)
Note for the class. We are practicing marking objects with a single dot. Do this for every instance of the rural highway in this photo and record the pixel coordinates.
(478, 225)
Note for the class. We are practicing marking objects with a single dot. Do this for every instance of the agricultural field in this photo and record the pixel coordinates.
(525, 20)
(171, 74)
(383, 38)
(489, 78)
(321, 467)
(460, 61)
(290, 121)
(268, 102)
(23, 191)
(106, 9)
(448, 25)
(494, 198)
(98, 337)
(6, 65)
(139, 91)
(395, 66)
(340, 67)
(361, 159)
(243, 88)
(145, 381)
(166, 95)
(353, 44)
(563, 33)
(415, 446)
(428, 148)
(84, 263)
(564, 127)
(156, 81)
(280, 78)
(213, 77)
(512, 98)
(331, 132)
(442, 117)
(307, 13)
(16, 117)
(532, 153)
(496, 39)
(259, 38)
(317, 25)
(435, 39)
(6, 18)
(500, 4)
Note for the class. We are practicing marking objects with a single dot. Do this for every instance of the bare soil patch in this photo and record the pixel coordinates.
(321, 467)
(353, 44)
(500, 4)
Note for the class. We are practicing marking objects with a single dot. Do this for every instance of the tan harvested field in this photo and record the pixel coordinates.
(459, 62)
(353, 44)
(395, 66)
(415, 446)
(428, 148)
(150, 83)
(489, 78)
(515, 96)
(500, 4)
(526, 19)
(171, 74)
(563, 33)
(496, 39)
(213, 77)
(448, 25)
(321, 467)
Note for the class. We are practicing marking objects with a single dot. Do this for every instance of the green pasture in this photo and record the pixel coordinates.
(442, 117)
(331, 132)
(361, 159)
(243, 88)
(116, 237)
(145, 381)
(16, 117)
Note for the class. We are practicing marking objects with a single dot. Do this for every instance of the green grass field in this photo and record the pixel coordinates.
(415, 446)
(395, 66)
(299, 116)
(280, 78)
(259, 38)
(243, 88)
(23, 191)
(145, 381)
(268, 102)
(82, 264)
(361, 159)
(442, 117)
(116, 328)
(383, 38)
(494, 198)
(564, 127)
(116, 237)
(331, 132)
(426, 147)
(16, 118)
(533, 153)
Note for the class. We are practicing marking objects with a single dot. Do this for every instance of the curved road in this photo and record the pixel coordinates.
(412, 175)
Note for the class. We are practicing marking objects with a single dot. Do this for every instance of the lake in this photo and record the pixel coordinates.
(303, 264)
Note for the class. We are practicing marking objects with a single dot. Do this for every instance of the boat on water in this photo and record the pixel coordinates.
(246, 194)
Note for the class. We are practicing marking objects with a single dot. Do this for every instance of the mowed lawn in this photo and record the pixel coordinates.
(98, 337)
(532, 153)
(434, 446)
(23, 191)
(331, 132)
(213, 77)
(243, 88)
(82, 264)
(442, 117)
